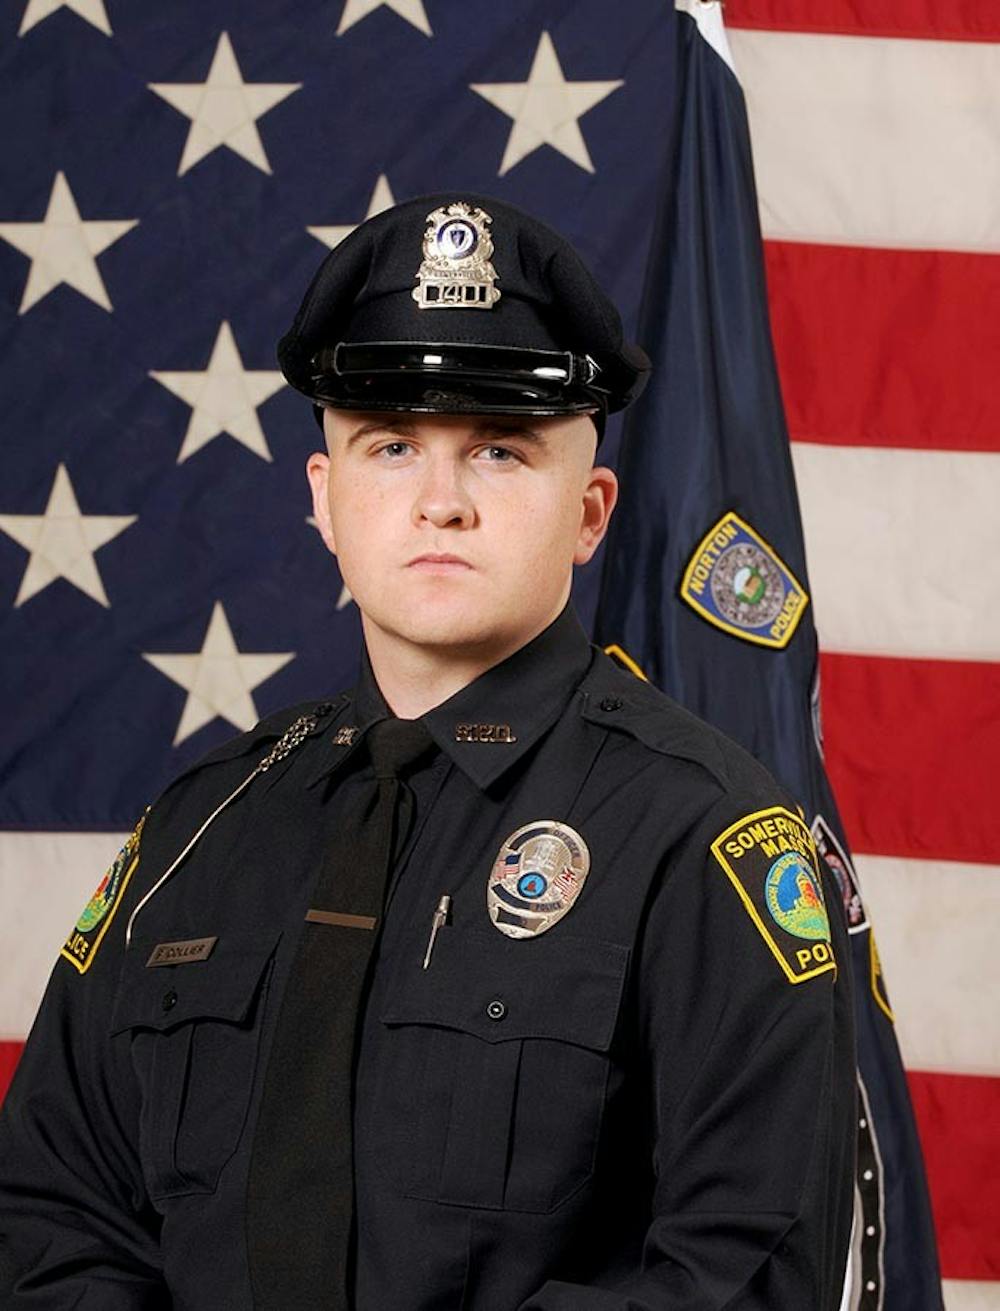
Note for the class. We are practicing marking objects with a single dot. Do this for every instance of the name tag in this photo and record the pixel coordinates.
(181, 953)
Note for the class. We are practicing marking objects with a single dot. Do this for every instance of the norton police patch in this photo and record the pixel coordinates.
(738, 583)
(770, 859)
(536, 878)
(95, 918)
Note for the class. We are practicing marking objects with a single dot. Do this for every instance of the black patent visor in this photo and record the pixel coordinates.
(432, 375)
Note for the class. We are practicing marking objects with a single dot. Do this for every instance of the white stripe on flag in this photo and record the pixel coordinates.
(901, 549)
(935, 924)
(48, 877)
(970, 1295)
(872, 140)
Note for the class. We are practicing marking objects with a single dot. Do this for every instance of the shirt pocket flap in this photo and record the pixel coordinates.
(499, 988)
(221, 987)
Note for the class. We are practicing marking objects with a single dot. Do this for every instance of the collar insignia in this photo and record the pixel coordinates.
(485, 733)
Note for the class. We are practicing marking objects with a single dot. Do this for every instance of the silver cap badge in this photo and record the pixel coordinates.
(536, 878)
(456, 273)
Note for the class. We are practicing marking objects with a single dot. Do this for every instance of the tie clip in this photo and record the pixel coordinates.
(342, 921)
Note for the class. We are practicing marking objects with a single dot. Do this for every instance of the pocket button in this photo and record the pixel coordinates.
(496, 1010)
(169, 1000)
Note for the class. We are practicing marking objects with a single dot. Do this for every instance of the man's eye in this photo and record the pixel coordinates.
(394, 449)
(498, 454)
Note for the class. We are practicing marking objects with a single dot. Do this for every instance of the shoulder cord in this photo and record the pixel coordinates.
(286, 744)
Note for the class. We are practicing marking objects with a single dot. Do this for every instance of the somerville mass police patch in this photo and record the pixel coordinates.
(770, 859)
(536, 878)
(95, 918)
(737, 582)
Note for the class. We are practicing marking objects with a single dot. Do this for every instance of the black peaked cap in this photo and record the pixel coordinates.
(551, 341)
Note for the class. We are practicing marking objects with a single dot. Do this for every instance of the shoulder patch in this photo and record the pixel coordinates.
(739, 583)
(769, 857)
(80, 947)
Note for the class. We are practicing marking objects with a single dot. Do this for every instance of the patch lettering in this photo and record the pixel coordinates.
(769, 857)
(95, 919)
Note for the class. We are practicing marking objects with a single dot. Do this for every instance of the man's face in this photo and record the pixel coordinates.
(459, 532)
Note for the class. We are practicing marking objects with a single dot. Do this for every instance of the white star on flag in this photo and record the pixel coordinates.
(545, 109)
(412, 10)
(382, 199)
(223, 398)
(62, 542)
(219, 679)
(63, 247)
(92, 10)
(224, 109)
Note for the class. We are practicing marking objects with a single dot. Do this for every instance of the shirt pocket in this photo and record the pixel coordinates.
(493, 1092)
(194, 1031)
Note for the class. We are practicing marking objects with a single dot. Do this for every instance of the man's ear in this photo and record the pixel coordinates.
(318, 473)
(599, 499)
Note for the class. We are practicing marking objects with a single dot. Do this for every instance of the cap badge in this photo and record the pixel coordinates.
(456, 273)
(537, 876)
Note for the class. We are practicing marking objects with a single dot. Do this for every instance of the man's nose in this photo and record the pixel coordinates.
(442, 498)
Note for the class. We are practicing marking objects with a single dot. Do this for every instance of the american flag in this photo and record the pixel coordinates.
(172, 176)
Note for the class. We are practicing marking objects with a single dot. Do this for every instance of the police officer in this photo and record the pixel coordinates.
(498, 983)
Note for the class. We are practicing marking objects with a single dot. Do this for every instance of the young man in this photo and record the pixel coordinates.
(498, 983)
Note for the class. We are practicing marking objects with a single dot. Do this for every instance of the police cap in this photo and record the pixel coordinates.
(459, 303)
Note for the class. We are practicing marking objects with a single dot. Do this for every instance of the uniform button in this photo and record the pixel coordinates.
(612, 703)
(169, 1000)
(496, 1010)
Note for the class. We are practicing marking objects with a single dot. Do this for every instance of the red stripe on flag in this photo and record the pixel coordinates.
(957, 1117)
(911, 754)
(974, 20)
(10, 1054)
(887, 347)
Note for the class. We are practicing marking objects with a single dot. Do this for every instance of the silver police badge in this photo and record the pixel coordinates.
(456, 273)
(536, 878)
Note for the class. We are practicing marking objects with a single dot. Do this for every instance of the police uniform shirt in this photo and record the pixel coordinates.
(649, 1105)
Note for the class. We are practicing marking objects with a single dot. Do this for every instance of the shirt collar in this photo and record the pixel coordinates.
(488, 726)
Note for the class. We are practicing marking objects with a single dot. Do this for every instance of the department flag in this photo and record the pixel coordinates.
(705, 589)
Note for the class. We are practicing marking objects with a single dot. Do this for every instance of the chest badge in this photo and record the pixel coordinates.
(537, 876)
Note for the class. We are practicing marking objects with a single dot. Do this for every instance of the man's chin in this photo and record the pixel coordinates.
(456, 627)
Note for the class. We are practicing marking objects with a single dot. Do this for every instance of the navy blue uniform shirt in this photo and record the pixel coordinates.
(650, 1106)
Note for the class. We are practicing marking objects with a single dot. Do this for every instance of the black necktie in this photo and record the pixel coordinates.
(301, 1189)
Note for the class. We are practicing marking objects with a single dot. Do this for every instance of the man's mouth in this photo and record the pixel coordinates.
(434, 562)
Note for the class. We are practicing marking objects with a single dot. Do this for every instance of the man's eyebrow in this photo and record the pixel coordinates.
(512, 428)
(399, 425)
(402, 426)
